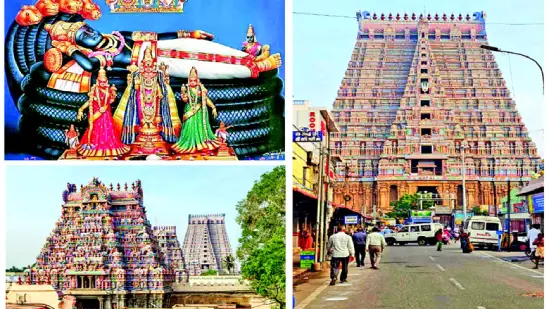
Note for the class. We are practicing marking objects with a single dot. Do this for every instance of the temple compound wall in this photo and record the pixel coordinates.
(419, 102)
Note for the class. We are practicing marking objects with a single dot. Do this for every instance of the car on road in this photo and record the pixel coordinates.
(482, 231)
(421, 233)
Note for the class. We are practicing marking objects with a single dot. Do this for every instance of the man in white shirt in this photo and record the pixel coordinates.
(340, 246)
(375, 243)
(532, 235)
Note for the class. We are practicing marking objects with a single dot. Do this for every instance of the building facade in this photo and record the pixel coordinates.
(418, 91)
(170, 250)
(206, 245)
(313, 177)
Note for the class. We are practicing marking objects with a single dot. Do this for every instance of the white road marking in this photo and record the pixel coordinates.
(354, 275)
(432, 258)
(311, 297)
(514, 265)
(479, 307)
(440, 267)
(454, 281)
(344, 284)
(537, 276)
(335, 299)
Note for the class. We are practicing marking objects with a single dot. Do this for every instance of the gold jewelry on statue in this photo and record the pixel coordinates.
(183, 34)
(64, 31)
(71, 49)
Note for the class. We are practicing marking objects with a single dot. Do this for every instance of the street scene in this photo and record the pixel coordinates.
(420, 277)
(418, 155)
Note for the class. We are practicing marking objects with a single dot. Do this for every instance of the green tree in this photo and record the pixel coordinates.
(14, 269)
(407, 202)
(479, 212)
(262, 218)
(209, 272)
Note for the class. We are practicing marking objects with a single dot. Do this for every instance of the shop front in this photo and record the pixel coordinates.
(348, 218)
(304, 226)
(537, 209)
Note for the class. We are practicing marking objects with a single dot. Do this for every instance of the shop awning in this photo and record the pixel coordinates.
(533, 187)
(350, 209)
(304, 191)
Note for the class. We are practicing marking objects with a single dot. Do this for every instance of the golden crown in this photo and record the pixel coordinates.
(63, 31)
(146, 6)
(102, 76)
(193, 73)
(250, 30)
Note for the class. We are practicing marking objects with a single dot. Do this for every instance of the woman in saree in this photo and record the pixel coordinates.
(196, 133)
(99, 139)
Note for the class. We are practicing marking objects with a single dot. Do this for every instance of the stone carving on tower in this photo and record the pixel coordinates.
(414, 91)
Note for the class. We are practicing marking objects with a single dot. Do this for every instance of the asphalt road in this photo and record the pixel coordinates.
(420, 277)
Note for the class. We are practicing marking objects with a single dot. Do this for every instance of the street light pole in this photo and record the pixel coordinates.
(463, 190)
(492, 48)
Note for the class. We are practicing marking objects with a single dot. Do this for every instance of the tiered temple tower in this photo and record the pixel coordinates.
(104, 246)
(171, 250)
(206, 244)
(418, 90)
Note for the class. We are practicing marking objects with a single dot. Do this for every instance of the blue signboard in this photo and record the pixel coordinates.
(537, 200)
(351, 219)
(306, 135)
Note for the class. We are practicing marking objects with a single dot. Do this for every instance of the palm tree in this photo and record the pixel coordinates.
(228, 263)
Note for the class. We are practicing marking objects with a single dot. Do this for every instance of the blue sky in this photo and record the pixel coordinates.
(322, 46)
(171, 193)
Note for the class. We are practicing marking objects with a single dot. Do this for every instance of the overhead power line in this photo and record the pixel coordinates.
(354, 17)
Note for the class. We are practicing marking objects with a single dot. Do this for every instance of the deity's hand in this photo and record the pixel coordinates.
(103, 109)
(201, 35)
(80, 115)
(62, 46)
(214, 113)
(184, 95)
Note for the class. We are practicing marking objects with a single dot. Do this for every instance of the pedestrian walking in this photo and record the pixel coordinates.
(340, 246)
(438, 237)
(533, 235)
(359, 240)
(539, 249)
(375, 242)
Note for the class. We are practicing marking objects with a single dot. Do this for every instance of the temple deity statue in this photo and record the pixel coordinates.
(221, 133)
(71, 138)
(99, 139)
(147, 112)
(253, 48)
(196, 133)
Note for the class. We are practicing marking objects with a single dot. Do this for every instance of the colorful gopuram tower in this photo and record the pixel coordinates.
(103, 250)
(172, 255)
(418, 90)
(206, 244)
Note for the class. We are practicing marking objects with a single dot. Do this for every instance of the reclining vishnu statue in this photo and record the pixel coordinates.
(145, 68)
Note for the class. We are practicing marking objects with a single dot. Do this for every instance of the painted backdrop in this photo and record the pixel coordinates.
(227, 20)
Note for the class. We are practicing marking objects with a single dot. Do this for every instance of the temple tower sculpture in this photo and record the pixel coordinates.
(418, 90)
(104, 242)
(206, 244)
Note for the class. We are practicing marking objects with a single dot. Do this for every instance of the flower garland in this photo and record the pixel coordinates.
(110, 53)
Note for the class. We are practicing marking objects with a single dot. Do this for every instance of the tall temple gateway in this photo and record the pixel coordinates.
(206, 244)
(104, 251)
(418, 91)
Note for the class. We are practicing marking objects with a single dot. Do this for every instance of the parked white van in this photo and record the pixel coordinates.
(483, 231)
(420, 233)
